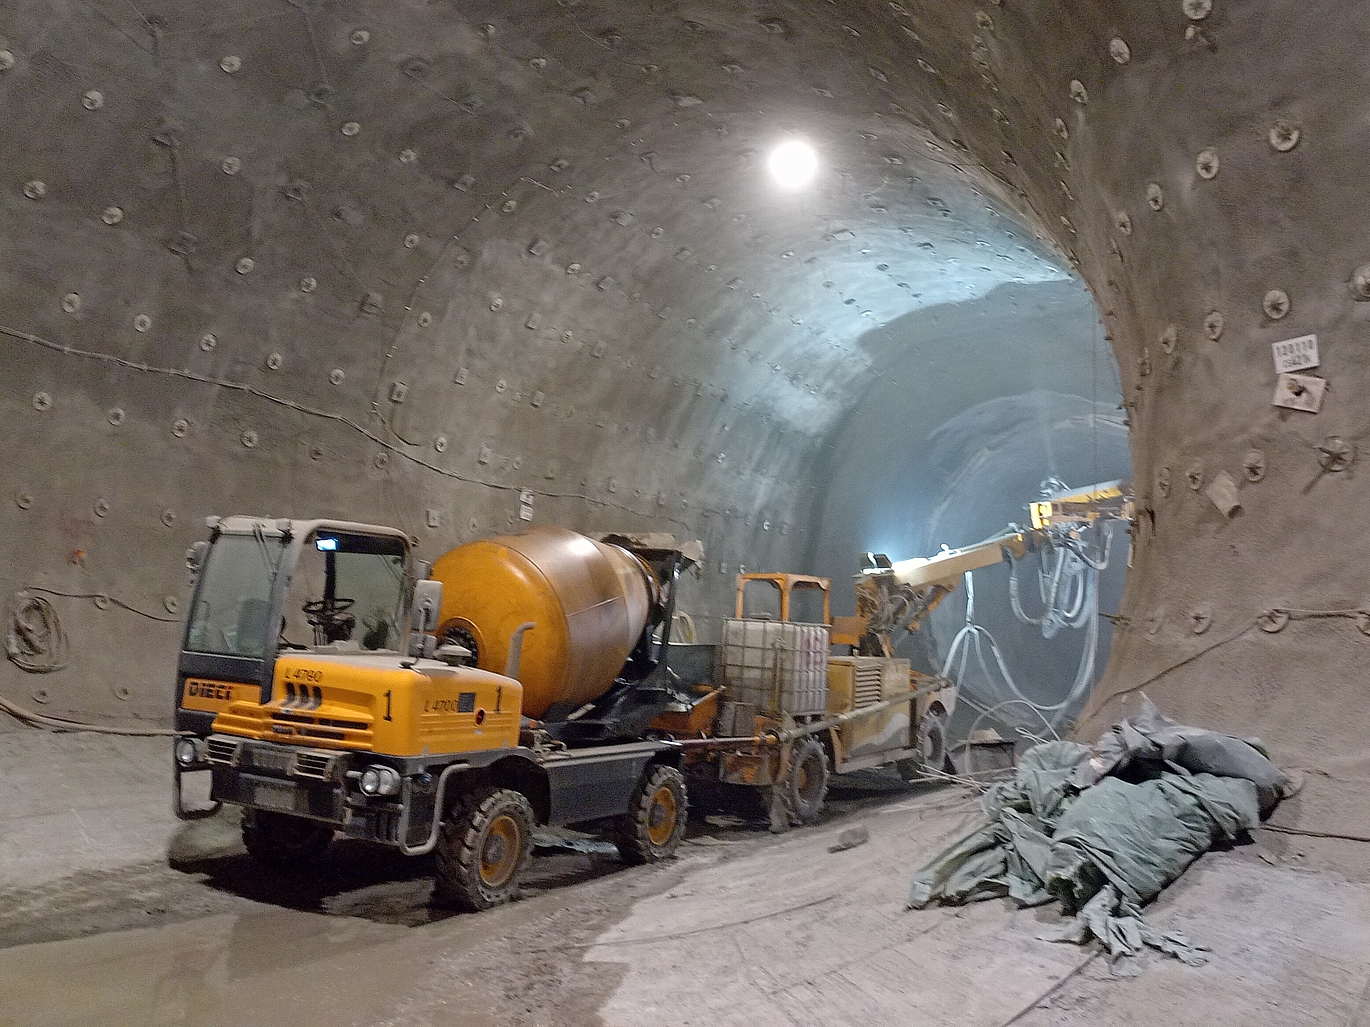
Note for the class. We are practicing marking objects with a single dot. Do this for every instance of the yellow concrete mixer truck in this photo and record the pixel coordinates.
(330, 683)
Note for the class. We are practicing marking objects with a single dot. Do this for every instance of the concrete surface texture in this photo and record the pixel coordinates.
(404, 262)
(150, 924)
(407, 263)
(81, 803)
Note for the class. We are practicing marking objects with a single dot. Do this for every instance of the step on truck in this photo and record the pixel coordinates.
(333, 685)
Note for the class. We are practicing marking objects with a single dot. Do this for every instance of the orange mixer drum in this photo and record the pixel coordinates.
(589, 601)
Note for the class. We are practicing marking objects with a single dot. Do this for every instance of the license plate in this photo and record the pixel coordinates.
(274, 795)
(267, 759)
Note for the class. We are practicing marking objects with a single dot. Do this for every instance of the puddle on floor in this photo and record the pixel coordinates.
(268, 968)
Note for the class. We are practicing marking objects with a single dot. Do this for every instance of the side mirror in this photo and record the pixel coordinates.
(423, 615)
(195, 558)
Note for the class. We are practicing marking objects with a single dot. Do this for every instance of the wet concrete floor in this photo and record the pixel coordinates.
(206, 937)
(743, 928)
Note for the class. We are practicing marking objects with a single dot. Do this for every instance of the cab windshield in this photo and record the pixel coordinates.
(233, 604)
(347, 592)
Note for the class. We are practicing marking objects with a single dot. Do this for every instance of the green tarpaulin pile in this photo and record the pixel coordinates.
(1104, 830)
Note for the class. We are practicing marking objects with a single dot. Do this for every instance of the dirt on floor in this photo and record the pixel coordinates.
(744, 927)
(207, 937)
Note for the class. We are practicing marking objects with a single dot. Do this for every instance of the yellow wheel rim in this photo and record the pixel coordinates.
(661, 816)
(499, 852)
(802, 776)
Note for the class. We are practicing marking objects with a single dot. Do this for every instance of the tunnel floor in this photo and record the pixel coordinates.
(111, 912)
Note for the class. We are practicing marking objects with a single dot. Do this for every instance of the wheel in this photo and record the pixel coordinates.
(278, 839)
(932, 739)
(931, 743)
(483, 849)
(652, 828)
(806, 782)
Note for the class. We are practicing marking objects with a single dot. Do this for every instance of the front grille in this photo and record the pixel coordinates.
(319, 732)
(222, 750)
(292, 718)
(303, 698)
(299, 718)
(312, 764)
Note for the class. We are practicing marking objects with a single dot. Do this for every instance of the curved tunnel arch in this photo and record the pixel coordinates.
(373, 263)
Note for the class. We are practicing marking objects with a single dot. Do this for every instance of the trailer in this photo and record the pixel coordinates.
(782, 712)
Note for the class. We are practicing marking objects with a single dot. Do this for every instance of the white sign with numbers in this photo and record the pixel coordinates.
(1295, 354)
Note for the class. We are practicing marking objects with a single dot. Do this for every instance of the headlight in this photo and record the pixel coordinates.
(188, 751)
(380, 780)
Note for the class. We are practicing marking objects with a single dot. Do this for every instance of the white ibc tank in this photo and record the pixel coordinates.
(776, 667)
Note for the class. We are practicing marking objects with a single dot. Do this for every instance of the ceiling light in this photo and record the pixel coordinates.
(793, 163)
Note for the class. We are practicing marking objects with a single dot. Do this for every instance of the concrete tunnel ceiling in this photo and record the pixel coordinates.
(535, 260)
(358, 257)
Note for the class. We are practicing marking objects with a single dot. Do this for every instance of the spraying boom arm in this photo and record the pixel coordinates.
(897, 595)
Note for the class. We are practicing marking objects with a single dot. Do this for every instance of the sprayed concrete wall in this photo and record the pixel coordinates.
(416, 264)
(546, 221)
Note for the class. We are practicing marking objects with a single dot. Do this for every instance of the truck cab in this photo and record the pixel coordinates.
(311, 687)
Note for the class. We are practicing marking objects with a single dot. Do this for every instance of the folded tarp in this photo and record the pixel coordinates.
(1150, 738)
(1106, 829)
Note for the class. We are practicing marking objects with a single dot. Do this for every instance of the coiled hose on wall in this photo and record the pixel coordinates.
(35, 641)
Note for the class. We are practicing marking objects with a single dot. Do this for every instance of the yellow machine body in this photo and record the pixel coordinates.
(371, 703)
(855, 682)
(588, 601)
(1107, 501)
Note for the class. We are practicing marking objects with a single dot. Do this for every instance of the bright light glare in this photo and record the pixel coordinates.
(793, 163)
(581, 546)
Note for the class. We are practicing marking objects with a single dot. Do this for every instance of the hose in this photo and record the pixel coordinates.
(1047, 595)
(1074, 566)
(1083, 611)
(61, 724)
(35, 640)
(37, 643)
(1079, 548)
(989, 711)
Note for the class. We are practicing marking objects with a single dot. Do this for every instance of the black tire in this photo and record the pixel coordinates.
(931, 743)
(280, 840)
(484, 847)
(932, 740)
(806, 781)
(654, 825)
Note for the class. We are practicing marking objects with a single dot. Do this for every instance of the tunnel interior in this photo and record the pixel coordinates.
(435, 270)
(815, 284)
(459, 267)
(975, 407)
